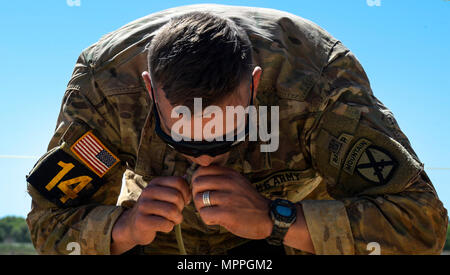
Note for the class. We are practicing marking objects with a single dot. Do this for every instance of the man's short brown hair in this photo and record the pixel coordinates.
(201, 55)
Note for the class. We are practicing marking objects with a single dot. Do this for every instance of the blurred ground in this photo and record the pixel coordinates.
(17, 249)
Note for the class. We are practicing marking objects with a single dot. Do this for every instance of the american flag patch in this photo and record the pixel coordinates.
(94, 154)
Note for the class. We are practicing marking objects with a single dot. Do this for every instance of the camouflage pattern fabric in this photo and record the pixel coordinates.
(341, 155)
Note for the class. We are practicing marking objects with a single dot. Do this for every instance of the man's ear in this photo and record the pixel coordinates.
(148, 83)
(257, 72)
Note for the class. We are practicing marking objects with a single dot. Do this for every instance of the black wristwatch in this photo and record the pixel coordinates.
(283, 214)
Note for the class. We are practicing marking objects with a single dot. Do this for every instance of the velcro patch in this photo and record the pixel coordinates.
(63, 180)
(91, 151)
(338, 147)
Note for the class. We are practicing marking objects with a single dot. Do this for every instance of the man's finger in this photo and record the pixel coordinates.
(214, 215)
(161, 208)
(211, 183)
(168, 194)
(154, 223)
(216, 198)
(212, 170)
(174, 182)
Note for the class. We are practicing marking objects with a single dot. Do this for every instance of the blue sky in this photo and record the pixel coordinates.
(403, 46)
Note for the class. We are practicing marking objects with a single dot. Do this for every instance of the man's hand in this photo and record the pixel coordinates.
(158, 208)
(236, 205)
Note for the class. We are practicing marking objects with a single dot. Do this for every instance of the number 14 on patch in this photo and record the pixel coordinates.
(82, 181)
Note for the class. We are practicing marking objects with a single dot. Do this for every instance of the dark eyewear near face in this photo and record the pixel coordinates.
(199, 148)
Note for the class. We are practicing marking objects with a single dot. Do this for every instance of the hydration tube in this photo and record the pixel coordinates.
(179, 237)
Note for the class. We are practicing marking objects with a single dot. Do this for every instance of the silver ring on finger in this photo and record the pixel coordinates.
(206, 200)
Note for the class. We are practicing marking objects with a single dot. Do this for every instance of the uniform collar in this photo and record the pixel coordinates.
(151, 149)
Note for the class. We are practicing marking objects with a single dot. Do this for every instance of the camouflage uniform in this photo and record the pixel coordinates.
(341, 154)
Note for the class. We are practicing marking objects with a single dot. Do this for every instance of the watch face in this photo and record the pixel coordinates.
(284, 211)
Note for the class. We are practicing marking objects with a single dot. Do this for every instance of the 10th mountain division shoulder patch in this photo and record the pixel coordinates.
(371, 162)
(376, 165)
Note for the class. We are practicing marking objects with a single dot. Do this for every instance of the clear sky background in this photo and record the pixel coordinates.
(403, 46)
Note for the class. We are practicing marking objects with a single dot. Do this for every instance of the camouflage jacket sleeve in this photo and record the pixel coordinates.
(381, 193)
(80, 205)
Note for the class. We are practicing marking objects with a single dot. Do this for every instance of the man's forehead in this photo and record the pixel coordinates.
(239, 97)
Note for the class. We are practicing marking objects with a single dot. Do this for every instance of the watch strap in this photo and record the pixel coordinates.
(277, 235)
